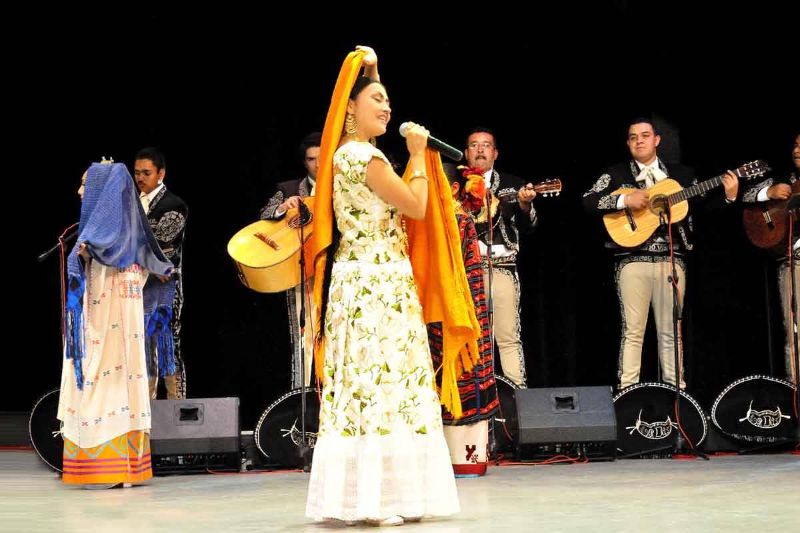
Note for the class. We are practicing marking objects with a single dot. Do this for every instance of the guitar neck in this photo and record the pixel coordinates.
(699, 188)
(694, 190)
(551, 187)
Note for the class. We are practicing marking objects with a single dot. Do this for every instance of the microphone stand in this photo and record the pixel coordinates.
(791, 207)
(490, 305)
(67, 234)
(303, 218)
(768, 316)
(679, 448)
(73, 231)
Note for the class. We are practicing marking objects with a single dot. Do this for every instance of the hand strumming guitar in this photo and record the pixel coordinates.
(638, 199)
(779, 191)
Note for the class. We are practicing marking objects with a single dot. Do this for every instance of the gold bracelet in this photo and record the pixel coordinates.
(418, 174)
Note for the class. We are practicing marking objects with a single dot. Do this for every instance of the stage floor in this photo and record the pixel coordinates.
(730, 493)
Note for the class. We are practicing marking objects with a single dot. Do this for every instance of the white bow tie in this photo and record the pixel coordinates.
(651, 175)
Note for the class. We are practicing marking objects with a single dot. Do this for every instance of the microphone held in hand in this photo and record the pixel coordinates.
(435, 144)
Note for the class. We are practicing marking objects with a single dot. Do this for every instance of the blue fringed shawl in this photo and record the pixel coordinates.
(158, 297)
(117, 234)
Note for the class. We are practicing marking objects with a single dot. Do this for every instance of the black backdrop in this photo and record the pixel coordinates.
(228, 95)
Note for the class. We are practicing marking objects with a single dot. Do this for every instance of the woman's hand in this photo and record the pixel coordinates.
(416, 138)
(84, 252)
(370, 62)
(370, 57)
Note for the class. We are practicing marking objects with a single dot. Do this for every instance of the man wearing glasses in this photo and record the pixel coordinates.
(498, 237)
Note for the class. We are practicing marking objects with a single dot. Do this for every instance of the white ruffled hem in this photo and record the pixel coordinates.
(375, 477)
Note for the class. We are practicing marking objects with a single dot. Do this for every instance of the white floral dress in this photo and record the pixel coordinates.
(380, 450)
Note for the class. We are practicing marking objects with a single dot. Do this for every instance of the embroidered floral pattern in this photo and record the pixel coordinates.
(377, 361)
(600, 185)
(169, 226)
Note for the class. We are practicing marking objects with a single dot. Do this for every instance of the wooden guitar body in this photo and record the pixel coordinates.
(668, 203)
(766, 223)
(630, 228)
(266, 253)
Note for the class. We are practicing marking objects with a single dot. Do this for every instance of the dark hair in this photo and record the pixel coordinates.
(313, 139)
(153, 154)
(361, 83)
(453, 173)
(481, 129)
(642, 120)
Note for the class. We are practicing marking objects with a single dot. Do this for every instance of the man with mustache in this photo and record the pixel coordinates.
(509, 221)
(167, 214)
(780, 188)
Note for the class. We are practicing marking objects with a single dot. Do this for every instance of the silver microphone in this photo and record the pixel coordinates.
(435, 144)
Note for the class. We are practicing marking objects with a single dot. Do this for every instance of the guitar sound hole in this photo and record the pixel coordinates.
(659, 205)
(298, 221)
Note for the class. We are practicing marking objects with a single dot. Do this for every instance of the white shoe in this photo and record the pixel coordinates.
(394, 520)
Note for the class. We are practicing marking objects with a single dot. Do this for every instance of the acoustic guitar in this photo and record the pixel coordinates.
(668, 201)
(767, 223)
(266, 253)
(547, 188)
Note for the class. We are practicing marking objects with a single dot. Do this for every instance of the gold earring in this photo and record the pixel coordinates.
(350, 124)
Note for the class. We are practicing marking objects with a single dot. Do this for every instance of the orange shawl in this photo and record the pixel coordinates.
(434, 250)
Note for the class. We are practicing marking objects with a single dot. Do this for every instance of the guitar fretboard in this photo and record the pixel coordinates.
(701, 188)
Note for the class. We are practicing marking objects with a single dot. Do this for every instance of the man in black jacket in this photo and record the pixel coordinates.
(508, 221)
(642, 273)
(290, 192)
(287, 197)
(167, 215)
(780, 188)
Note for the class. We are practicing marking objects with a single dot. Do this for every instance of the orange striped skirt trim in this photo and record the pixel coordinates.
(123, 459)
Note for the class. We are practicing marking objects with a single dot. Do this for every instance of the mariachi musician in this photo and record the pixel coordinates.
(773, 234)
(642, 272)
(503, 235)
(288, 196)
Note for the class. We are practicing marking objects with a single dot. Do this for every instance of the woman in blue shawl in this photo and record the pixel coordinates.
(110, 308)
